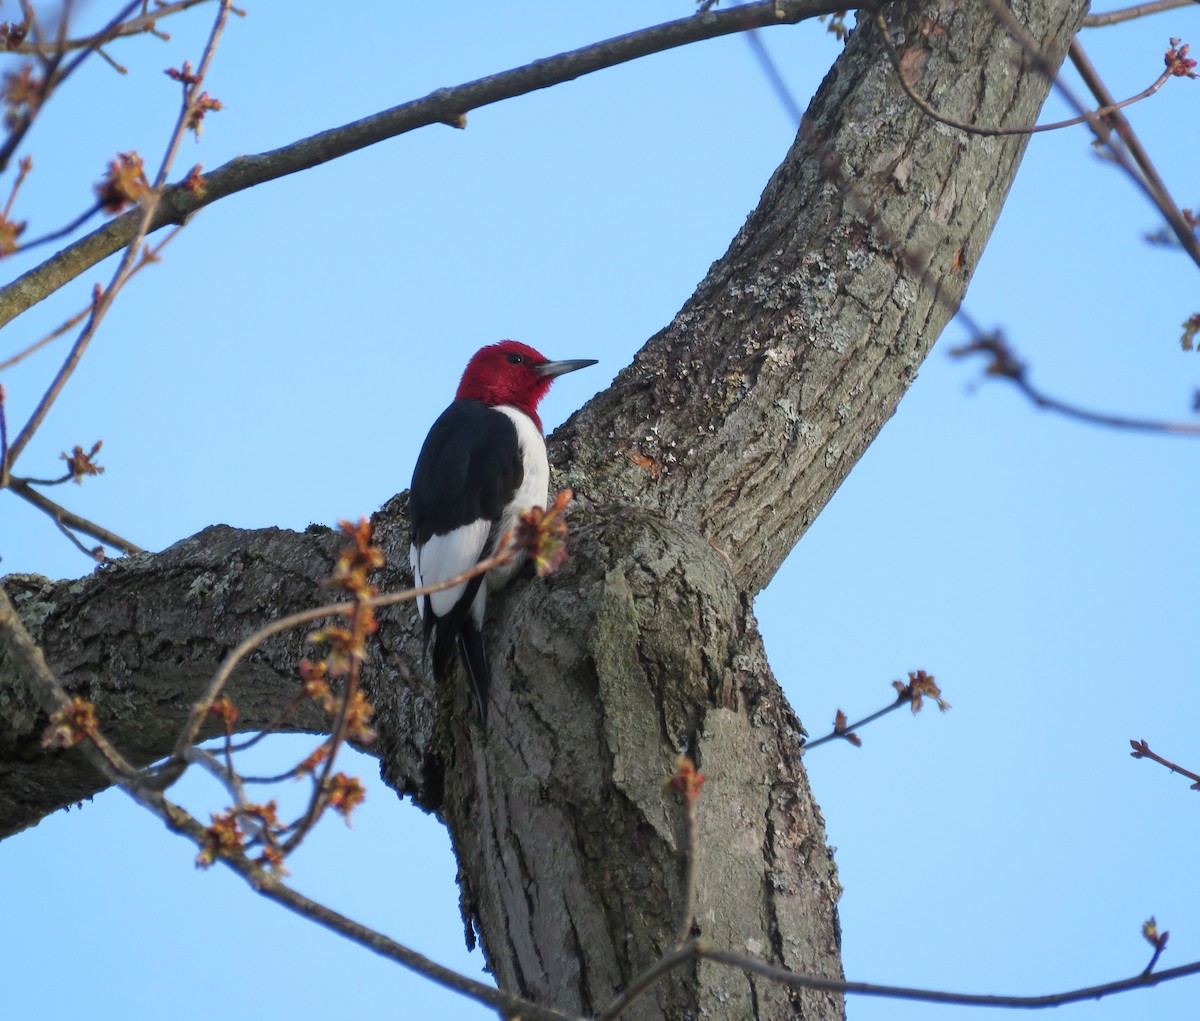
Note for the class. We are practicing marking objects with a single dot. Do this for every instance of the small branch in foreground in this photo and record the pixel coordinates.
(190, 733)
(1141, 750)
(1005, 365)
(919, 687)
(74, 725)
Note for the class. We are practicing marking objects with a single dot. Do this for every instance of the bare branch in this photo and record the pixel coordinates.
(67, 519)
(1141, 750)
(1149, 178)
(141, 25)
(1131, 156)
(54, 75)
(37, 345)
(699, 949)
(142, 218)
(1142, 981)
(921, 685)
(1005, 365)
(445, 106)
(1136, 11)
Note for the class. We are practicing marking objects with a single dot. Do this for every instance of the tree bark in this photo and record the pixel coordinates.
(697, 471)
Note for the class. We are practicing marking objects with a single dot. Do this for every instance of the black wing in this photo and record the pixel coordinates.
(468, 469)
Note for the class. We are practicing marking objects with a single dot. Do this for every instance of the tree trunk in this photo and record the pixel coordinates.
(697, 472)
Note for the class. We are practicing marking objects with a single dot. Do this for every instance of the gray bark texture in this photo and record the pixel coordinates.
(696, 473)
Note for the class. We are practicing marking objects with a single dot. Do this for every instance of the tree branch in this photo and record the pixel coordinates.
(445, 106)
(1142, 981)
(1006, 365)
(141, 220)
(117, 29)
(71, 520)
(1136, 11)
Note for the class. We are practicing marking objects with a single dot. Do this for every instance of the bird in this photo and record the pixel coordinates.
(482, 464)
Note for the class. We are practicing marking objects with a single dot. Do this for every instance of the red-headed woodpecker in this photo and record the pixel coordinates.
(483, 463)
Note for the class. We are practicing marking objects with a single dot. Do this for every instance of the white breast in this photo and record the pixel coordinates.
(533, 488)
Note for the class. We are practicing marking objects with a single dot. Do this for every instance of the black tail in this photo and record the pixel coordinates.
(458, 628)
(475, 666)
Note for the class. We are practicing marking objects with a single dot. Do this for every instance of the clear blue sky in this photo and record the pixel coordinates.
(284, 362)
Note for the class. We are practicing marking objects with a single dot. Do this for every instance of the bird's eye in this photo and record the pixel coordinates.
(515, 359)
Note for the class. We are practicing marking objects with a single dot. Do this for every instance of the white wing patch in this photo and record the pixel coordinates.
(444, 556)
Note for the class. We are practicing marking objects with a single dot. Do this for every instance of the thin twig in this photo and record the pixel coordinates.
(1141, 750)
(689, 871)
(24, 167)
(62, 232)
(1147, 179)
(847, 732)
(798, 981)
(144, 216)
(53, 335)
(1005, 365)
(68, 519)
(53, 77)
(699, 949)
(928, 109)
(191, 731)
(1136, 11)
(3, 438)
(142, 24)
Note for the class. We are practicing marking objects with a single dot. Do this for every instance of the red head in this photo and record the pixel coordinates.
(515, 374)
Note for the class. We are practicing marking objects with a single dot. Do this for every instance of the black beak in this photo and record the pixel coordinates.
(552, 369)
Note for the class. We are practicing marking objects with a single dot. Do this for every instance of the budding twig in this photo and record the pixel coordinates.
(921, 685)
(191, 731)
(1141, 750)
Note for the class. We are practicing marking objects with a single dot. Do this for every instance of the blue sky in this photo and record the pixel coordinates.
(283, 364)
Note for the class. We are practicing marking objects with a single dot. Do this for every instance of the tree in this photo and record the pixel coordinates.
(768, 361)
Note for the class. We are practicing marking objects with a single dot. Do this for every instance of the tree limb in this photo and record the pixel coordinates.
(445, 106)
